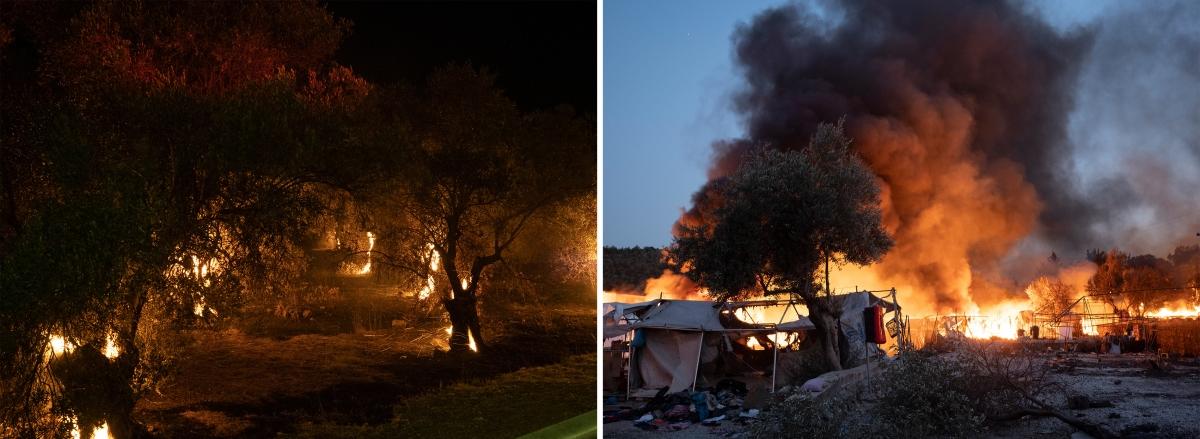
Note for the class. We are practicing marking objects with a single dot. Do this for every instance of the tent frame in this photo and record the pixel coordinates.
(767, 327)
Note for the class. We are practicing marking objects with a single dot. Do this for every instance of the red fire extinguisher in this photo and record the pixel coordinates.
(873, 324)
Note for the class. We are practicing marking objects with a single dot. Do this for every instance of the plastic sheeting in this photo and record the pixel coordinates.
(674, 331)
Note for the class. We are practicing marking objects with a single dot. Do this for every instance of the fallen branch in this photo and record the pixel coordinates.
(1095, 430)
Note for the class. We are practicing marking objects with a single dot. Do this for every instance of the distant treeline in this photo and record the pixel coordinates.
(1146, 280)
(627, 268)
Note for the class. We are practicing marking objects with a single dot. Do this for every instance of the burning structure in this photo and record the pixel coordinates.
(685, 344)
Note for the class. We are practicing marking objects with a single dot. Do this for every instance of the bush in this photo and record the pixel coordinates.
(921, 396)
(917, 397)
(801, 416)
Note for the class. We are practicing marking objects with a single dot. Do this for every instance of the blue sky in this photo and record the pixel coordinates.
(668, 74)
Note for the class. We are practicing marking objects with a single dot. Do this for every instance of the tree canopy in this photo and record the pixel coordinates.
(781, 215)
(779, 218)
(482, 173)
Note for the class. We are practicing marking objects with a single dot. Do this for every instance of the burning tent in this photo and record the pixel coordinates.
(685, 344)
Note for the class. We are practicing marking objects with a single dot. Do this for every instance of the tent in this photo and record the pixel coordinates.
(671, 339)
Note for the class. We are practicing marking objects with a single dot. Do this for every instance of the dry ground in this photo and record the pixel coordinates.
(625, 429)
(250, 383)
(1147, 402)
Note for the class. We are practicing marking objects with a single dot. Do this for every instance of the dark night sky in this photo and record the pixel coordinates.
(543, 53)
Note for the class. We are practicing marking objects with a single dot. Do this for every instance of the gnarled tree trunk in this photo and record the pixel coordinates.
(827, 331)
(464, 319)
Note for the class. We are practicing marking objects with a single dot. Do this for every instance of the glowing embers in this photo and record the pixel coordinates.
(110, 346)
(199, 307)
(59, 345)
(470, 338)
(434, 261)
(351, 268)
(100, 432)
(366, 269)
(202, 271)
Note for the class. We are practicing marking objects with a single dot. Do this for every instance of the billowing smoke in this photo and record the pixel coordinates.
(1137, 126)
(962, 109)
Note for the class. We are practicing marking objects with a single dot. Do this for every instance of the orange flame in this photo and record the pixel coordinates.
(366, 269)
(470, 338)
(1178, 309)
(434, 260)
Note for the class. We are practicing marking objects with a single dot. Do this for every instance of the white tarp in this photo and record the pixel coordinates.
(667, 359)
(672, 334)
(685, 315)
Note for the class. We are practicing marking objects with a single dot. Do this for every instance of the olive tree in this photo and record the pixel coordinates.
(483, 172)
(163, 167)
(779, 218)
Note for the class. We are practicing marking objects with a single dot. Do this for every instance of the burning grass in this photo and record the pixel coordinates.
(234, 383)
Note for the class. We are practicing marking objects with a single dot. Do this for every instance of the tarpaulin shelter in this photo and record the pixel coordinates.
(671, 339)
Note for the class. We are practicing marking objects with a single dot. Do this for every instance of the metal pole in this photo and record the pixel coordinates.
(868, 366)
(696, 374)
(900, 323)
(629, 373)
(775, 361)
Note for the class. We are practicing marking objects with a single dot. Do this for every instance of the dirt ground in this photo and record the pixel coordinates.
(246, 382)
(625, 429)
(1148, 402)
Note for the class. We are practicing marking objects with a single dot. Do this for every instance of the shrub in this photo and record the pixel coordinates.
(801, 416)
(918, 396)
(921, 396)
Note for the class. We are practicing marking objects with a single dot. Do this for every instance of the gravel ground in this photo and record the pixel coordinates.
(1159, 403)
(1148, 402)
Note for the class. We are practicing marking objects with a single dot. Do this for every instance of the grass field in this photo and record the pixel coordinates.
(262, 381)
(509, 405)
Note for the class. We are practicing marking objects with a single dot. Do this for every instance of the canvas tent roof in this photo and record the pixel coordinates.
(679, 315)
(672, 356)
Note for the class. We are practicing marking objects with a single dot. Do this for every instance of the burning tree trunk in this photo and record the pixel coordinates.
(464, 323)
(462, 305)
(121, 423)
(479, 169)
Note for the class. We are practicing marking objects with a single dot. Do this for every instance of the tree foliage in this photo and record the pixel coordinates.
(158, 171)
(482, 173)
(779, 218)
(628, 268)
(1134, 284)
(1051, 296)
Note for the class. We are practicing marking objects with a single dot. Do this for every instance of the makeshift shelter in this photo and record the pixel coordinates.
(671, 341)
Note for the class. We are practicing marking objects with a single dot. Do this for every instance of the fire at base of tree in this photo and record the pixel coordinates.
(218, 230)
